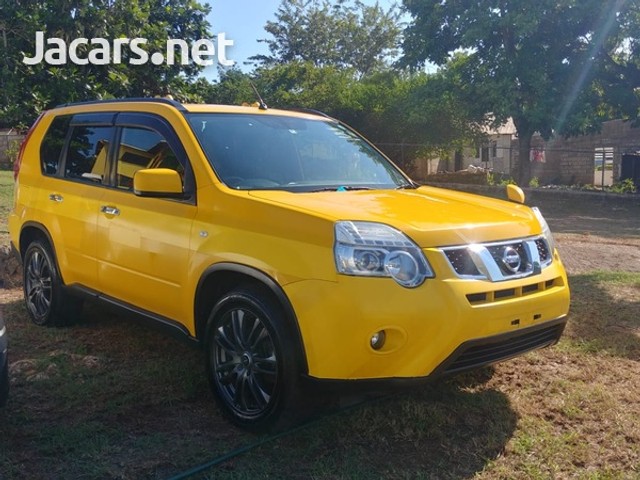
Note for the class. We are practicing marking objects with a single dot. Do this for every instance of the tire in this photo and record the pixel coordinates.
(250, 359)
(46, 301)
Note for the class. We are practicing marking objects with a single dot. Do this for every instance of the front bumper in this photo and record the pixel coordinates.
(435, 329)
(486, 351)
(471, 355)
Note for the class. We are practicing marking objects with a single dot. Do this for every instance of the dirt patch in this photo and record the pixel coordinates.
(594, 235)
(588, 253)
(10, 268)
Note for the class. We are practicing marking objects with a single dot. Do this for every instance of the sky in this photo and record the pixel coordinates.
(243, 22)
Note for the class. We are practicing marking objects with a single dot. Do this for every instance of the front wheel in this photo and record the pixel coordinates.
(251, 363)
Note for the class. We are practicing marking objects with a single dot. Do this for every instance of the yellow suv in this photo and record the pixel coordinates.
(284, 243)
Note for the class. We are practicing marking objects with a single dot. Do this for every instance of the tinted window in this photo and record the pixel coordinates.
(290, 153)
(87, 153)
(143, 148)
(53, 143)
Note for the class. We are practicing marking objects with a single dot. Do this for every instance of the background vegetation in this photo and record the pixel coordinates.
(554, 66)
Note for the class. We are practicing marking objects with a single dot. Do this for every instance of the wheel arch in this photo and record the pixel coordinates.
(32, 231)
(221, 278)
(63, 308)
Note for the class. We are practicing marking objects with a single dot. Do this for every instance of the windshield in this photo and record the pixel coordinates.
(288, 153)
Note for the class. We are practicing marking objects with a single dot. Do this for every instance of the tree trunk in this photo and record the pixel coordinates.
(524, 164)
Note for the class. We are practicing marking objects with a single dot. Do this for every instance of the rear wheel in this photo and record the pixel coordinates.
(251, 362)
(45, 298)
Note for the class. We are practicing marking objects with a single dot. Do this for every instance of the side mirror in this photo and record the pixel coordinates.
(157, 182)
(515, 193)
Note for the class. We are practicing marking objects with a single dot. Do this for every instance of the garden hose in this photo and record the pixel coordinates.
(242, 450)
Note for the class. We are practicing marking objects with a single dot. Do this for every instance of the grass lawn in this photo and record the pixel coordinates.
(111, 399)
(6, 201)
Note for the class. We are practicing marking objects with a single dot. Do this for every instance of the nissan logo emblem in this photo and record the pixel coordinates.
(511, 259)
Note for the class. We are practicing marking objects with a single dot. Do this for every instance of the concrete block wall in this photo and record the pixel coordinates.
(571, 160)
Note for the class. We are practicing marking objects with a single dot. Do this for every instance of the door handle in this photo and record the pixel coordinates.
(107, 210)
(54, 197)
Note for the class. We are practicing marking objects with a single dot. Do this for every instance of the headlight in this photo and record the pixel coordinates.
(377, 250)
(546, 231)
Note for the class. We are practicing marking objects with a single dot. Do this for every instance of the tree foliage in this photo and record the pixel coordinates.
(536, 62)
(334, 57)
(27, 89)
(342, 34)
(405, 115)
(621, 65)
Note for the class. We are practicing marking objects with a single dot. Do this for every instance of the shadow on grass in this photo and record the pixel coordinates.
(142, 409)
(106, 398)
(605, 314)
(449, 429)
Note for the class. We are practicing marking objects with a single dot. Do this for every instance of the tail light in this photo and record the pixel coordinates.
(23, 145)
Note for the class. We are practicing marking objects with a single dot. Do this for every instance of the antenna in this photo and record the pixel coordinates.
(261, 104)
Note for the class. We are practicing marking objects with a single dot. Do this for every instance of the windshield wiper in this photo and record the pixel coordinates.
(341, 188)
(408, 186)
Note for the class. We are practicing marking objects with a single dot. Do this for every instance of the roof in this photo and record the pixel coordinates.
(507, 128)
(198, 108)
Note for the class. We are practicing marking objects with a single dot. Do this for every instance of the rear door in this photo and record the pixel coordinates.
(143, 244)
(74, 159)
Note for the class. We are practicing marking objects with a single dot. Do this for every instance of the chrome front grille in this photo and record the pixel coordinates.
(461, 262)
(499, 261)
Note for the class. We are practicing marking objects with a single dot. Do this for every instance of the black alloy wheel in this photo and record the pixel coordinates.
(46, 301)
(250, 361)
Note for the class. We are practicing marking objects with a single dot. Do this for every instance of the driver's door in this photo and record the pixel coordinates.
(144, 243)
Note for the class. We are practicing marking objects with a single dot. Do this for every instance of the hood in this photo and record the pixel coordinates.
(431, 217)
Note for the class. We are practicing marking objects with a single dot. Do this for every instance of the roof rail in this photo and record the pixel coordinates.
(312, 111)
(166, 101)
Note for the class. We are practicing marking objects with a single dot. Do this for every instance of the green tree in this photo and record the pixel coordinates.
(405, 115)
(27, 89)
(232, 88)
(536, 62)
(343, 34)
(621, 65)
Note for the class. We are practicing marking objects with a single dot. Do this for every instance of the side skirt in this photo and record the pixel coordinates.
(158, 322)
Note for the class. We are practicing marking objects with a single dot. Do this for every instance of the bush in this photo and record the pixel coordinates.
(12, 150)
(626, 186)
(507, 181)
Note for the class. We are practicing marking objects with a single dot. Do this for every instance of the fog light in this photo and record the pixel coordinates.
(377, 340)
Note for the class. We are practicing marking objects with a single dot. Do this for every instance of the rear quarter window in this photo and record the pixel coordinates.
(53, 144)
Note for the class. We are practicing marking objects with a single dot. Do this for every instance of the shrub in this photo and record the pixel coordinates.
(12, 150)
(626, 186)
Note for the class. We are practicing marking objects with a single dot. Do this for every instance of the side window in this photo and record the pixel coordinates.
(53, 143)
(87, 153)
(143, 148)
